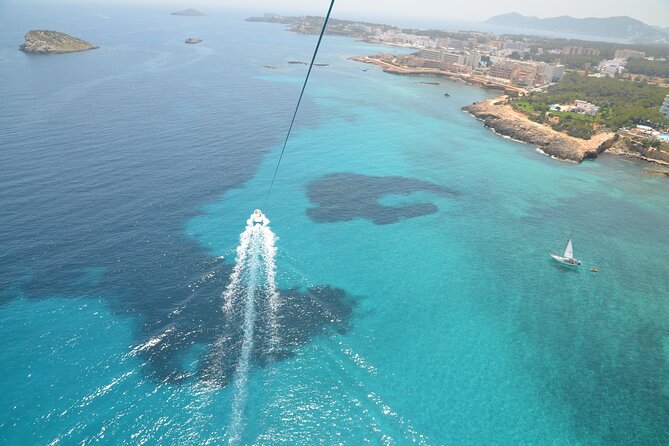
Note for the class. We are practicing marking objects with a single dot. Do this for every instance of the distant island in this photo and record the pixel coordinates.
(611, 27)
(53, 42)
(188, 12)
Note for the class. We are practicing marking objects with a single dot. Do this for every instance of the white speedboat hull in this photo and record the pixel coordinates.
(257, 219)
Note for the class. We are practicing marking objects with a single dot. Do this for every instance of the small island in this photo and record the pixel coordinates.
(188, 12)
(193, 40)
(53, 42)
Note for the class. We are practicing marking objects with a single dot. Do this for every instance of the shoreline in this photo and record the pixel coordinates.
(510, 138)
(637, 156)
(470, 79)
(515, 125)
(503, 120)
(508, 123)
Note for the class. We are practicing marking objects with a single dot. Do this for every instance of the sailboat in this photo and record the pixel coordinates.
(568, 257)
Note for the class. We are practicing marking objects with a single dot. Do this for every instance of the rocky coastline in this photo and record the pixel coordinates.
(479, 81)
(505, 121)
(626, 146)
(53, 42)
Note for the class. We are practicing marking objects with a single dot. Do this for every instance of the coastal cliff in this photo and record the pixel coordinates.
(504, 120)
(53, 42)
(626, 146)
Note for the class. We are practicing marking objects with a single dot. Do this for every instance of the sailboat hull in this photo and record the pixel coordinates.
(565, 261)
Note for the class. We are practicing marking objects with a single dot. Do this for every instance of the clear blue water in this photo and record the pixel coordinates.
(419, 304)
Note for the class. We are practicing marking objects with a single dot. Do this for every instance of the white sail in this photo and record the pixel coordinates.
(569, 252)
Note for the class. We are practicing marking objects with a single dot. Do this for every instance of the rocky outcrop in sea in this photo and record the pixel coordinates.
(53, 42)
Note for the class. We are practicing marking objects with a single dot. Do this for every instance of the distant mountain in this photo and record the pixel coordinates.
(612, 27)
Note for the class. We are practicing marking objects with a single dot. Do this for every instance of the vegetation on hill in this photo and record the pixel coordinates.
(570, 61)
(606, 49)
(648, 68)
(622, 104)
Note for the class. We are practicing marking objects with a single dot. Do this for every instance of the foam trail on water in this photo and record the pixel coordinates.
(269, 253)
(252, 278)
(242, 371)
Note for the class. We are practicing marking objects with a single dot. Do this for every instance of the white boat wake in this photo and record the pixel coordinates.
(252, 286)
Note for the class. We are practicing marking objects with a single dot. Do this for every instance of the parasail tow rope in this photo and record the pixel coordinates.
(306, 79)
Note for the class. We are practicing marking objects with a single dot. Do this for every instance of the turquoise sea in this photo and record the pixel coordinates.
(418, 302)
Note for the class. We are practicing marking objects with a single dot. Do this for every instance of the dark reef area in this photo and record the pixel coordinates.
(347, 196)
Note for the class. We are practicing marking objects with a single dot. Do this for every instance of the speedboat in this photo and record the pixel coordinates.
(257, 218)
(568, 257)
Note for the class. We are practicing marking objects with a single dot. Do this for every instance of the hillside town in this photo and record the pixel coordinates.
(515, 60)
(493, 58)
(579, 89)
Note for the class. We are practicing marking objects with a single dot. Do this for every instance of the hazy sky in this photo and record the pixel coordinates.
(653, 12)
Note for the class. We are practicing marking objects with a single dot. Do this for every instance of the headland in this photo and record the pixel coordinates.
(501, 117)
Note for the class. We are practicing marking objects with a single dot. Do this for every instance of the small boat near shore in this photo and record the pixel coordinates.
(567, 258)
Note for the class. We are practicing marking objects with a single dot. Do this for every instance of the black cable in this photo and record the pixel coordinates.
(292, 121)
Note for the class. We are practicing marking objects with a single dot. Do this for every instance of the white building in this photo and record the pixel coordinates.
(585, 108)
(474, 59)
(452, 43)
(487, 49)
(407, 40)
(430, 54)
(628, 54)
(466, 58)
(516, 46)
(665, 106)
(611, 67)
(550, 73)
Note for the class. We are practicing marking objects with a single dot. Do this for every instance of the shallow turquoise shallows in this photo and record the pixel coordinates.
(420, 305)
